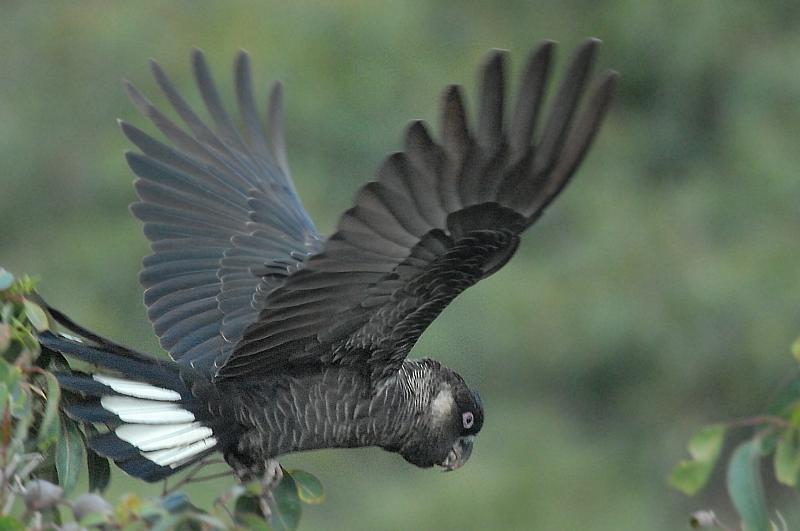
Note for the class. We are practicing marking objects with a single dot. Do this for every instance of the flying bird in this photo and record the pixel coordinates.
(282, 340)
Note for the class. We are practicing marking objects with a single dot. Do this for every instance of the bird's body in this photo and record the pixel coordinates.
(338, 407)
(284, 341)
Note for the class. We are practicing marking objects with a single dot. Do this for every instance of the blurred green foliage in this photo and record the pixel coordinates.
(659, 293)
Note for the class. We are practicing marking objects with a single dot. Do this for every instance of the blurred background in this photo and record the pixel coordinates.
(660, 293)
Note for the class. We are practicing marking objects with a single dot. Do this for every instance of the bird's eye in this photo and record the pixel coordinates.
(467, 419)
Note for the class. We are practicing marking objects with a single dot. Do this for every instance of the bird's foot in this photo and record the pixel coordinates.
(273, 475)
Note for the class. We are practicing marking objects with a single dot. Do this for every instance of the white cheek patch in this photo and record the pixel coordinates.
(443, 405)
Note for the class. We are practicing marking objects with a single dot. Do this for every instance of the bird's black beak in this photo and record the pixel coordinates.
(459, 453)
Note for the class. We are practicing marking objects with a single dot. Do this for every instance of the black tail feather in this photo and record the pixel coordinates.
(78, 382)
(90, 410)
(75, 328)
(111, 446)
(150, 370)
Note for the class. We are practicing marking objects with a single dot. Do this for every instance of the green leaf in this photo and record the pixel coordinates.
(706, 444)
(796, 349)
(15, 396)
(247, 503)
(24, 416)
(787, 457)
(69, 454)
(9, 523)
(5, 337)
(99, 471)
(690, 476)
(48, 428)
(8, 374)
(6, 279)
(745, 487)
(309, 487)
(24, 285)
(19, 397)
(287, 508)
(247, 511)
(36, 315)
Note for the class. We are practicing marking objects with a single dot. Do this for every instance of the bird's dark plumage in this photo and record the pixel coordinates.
(285, 341)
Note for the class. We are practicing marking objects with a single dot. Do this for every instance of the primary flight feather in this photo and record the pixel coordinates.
(283, 340)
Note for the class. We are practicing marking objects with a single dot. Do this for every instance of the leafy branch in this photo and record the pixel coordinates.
(775, 435)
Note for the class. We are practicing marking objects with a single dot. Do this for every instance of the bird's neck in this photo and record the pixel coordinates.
(409, 395)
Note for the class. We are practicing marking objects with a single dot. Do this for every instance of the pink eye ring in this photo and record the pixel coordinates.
(467, 419)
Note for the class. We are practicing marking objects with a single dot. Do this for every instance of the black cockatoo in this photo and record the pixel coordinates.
(282, 340)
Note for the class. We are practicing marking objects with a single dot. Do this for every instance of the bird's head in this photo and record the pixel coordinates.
(455, 418)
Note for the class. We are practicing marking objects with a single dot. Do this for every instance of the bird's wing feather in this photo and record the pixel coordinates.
(221, 211)
(440, 217)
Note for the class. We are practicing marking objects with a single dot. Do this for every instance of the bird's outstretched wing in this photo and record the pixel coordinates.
(220, 209)
(440, 217)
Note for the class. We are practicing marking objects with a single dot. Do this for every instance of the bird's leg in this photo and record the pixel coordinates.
(273, 475)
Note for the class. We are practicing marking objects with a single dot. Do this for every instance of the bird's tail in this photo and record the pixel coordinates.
(154, 425)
